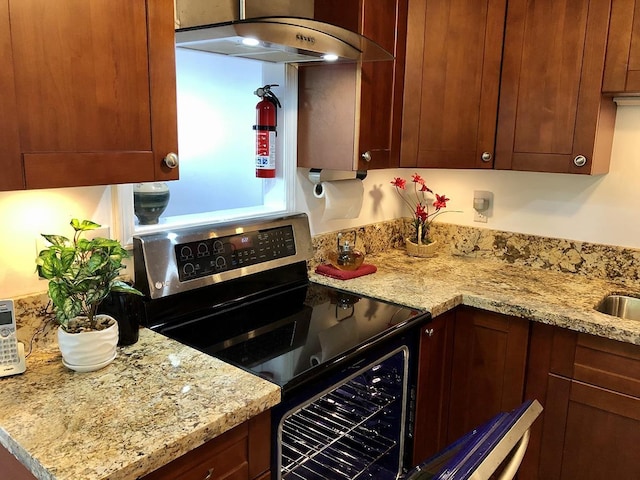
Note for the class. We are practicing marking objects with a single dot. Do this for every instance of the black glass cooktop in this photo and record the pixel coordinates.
(282, 340)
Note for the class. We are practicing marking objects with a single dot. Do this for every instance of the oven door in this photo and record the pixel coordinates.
(356, 421)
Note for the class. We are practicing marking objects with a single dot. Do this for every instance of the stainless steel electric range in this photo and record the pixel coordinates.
(346, 363)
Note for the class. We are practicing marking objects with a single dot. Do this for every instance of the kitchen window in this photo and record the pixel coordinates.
(216, 144)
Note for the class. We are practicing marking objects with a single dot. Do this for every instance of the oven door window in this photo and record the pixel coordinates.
(353, 430)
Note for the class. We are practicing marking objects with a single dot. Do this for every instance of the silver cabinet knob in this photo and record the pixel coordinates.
(209, 473)
(580, 161)
(171, 160)
(486, 157)
(366, 156)
(429, 332)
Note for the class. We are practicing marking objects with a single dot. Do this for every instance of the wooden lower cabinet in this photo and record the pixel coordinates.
(242, 453)
(489, 363)
(432, 400)
(590, 390)
(11, 467)
(471, 367)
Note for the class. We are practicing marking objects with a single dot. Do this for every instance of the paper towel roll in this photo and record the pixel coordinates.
(342, 198)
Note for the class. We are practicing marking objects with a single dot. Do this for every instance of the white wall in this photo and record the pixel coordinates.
(600, 209)
(25, 215)
(596, 209)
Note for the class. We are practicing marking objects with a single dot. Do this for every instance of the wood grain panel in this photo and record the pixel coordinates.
(618, 46)
(10, 160)
(456, 78)
(609, 364)
(162, 71)
(602, 433)
(551, 106)
(489, 362)
(81, 75)
(434, 379)
(49, 170)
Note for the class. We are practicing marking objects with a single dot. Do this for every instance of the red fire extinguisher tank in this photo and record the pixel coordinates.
(265, 127)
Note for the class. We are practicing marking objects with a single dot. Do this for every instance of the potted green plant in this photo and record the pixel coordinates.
(81, 273)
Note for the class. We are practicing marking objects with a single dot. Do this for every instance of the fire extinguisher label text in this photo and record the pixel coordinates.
(265, 149)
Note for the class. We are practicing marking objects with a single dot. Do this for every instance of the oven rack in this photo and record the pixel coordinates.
(339, 435)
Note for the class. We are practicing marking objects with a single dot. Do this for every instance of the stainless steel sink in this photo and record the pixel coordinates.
(622, 306)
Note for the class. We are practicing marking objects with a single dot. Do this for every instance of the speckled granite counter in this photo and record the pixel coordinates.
(440, 283)
(156, 401)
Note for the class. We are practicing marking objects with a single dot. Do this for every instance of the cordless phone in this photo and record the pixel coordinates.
(11, 351)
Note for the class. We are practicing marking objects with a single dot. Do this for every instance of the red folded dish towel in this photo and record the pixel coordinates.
(333, 272)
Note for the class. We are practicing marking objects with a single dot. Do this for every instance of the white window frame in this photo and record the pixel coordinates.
(122, 195)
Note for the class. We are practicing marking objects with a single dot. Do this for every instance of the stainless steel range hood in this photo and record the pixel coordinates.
(284, 32)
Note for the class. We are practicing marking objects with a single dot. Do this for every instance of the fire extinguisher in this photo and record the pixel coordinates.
(266, 123)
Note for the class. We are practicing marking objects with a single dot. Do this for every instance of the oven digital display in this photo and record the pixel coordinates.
(216, 255)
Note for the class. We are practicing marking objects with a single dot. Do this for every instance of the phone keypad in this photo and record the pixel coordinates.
(8, 347)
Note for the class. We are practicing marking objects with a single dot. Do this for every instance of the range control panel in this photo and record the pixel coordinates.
(216, 255)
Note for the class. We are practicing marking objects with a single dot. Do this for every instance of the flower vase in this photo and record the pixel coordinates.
(424, 250)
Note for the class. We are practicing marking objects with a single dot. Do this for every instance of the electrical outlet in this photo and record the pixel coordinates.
(479, 217)
(482, 206)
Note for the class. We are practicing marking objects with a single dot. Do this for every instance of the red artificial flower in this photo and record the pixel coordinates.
(421, 213)
(399, 182)
(441, 201)
(424, 188)
(415, 178)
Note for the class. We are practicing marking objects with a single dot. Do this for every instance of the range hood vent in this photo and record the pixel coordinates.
(284, 31)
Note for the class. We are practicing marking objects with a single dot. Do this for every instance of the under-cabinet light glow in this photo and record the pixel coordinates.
(250, 42)
(330, 57)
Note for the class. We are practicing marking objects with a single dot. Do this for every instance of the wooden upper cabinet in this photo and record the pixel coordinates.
(10, 161)
(452, 78)
(349, 110)
(552, 114)
(622, 65)
(94, 99)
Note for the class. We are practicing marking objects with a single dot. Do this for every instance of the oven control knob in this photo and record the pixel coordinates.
(158, 285)
(189, 269)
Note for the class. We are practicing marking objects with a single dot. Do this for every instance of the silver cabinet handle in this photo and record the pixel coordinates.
(429, 331)
(171, 160)
(366, 156)
(209, 473)
(486, 156)
(580, 161)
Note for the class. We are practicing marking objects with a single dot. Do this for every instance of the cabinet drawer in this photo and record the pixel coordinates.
(225, 457)
(609, 364)
(240, 454)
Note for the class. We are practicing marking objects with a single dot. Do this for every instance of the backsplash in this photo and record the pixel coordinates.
(582, 258)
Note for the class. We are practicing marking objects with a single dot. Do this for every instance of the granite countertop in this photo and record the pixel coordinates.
(441, 283)
(158, 400)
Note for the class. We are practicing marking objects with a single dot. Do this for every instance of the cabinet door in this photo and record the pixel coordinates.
(10, 160)
(622, 64)
(241, 453)
(488, 369)
(95, 90)
(589, 433)
(349, 110)
(432, 396)
(454, 50)
(552, 115)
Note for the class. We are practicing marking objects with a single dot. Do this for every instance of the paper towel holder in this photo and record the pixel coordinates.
(319, 175)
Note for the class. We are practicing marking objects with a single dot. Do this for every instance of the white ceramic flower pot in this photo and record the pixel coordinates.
(88, 351)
